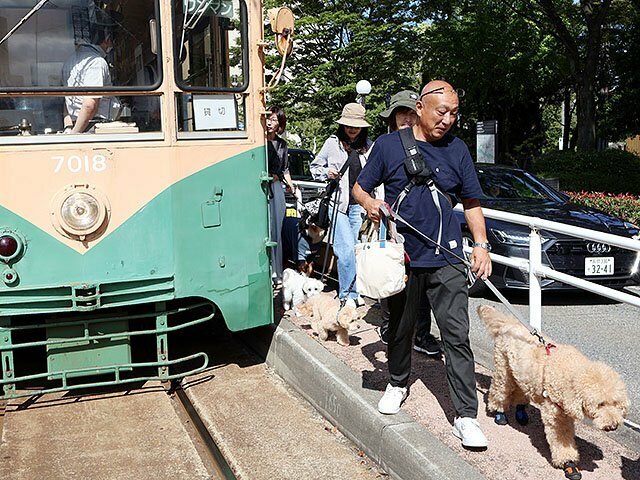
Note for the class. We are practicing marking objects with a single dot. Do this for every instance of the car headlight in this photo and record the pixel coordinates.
(515, 238)
(633, 229)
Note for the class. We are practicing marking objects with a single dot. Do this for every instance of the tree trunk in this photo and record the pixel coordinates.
(587, 78)
(586, 114)
(566, 119)
(583, 70)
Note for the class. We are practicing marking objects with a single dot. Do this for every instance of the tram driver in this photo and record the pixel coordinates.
(88, 67)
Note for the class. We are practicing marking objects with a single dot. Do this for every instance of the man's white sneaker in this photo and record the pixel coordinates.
(392, 399)
(468, 430)
(350, 303)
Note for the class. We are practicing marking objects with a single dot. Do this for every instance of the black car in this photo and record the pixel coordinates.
(518, 191)
(299, 160)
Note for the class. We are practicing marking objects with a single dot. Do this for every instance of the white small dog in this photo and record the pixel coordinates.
(297, 288)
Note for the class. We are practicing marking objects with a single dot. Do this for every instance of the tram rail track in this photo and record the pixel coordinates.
(211, 456)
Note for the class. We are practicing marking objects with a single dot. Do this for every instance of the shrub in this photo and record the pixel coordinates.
(622, 206)
(611, 171)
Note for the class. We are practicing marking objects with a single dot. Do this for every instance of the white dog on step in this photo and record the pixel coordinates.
(297, 288)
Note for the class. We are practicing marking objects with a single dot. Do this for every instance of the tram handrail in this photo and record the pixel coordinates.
(537, 271)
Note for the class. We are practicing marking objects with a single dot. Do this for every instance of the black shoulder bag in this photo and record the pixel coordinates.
(419, 173)
(322, 218)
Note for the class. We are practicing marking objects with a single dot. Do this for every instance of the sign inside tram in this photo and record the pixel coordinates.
(218, 8)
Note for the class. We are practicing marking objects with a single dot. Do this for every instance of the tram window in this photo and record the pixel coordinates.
(76, 44)
(211, 44)
(211, 113)
(39, 115)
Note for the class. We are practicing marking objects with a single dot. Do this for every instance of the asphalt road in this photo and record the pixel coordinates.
(602, 329)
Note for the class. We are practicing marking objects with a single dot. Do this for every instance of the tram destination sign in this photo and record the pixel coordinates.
(218, 8)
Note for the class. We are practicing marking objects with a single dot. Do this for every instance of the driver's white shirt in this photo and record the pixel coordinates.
(87, 67)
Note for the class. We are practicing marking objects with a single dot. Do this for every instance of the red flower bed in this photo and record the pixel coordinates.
(622, 205)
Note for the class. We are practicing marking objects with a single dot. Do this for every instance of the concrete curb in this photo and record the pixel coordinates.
(404, 448)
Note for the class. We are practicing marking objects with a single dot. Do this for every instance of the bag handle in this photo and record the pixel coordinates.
(387, 223)
(382, 231)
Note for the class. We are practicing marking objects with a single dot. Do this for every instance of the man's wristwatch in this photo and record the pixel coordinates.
(485, 245)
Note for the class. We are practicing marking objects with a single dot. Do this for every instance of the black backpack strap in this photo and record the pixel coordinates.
(411, 150)
(419, 173)
(414, 163)
(345, 165)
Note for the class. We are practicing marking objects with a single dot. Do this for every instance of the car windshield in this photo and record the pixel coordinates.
(498, 183)
(299, 161)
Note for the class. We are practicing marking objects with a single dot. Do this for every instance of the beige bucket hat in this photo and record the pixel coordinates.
(353, 116)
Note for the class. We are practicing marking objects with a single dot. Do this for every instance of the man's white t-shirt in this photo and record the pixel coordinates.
(87, 67)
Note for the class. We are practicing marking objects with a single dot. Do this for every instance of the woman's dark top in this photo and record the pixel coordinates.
(355, 167)
(278, 151)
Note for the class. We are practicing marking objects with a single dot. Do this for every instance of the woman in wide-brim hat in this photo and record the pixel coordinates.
(345, 151)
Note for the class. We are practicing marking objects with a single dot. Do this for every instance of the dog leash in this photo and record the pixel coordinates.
(386, 210)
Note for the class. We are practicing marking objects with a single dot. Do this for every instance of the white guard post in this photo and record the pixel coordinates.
(535, 286)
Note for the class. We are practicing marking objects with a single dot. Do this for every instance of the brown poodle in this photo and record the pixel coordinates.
(328, 316)
(565, 384)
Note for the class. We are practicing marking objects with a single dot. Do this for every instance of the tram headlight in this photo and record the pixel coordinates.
(80, 212)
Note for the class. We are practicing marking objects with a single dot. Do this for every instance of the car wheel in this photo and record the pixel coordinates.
(476, 286)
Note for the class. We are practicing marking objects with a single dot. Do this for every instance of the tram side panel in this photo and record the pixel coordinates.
(221, 230)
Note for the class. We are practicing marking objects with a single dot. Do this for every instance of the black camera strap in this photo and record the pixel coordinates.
(419, 174)
(332, 186)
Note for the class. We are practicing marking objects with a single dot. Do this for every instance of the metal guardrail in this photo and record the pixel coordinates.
(537, 271)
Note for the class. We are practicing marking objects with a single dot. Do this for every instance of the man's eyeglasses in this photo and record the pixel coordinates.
(442, 90)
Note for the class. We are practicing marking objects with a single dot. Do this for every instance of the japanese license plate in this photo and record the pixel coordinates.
(598, 266)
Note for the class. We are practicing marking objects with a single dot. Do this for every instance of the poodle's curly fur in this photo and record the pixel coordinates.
(327, 316)
(565, 384)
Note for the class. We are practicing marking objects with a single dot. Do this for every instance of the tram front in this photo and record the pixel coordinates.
(132, 203)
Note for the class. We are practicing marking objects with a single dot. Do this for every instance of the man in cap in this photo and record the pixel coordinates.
(402, 114)
(432, 268)
(88, 67)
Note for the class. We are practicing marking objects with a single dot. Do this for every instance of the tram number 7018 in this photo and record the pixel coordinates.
(77, 163)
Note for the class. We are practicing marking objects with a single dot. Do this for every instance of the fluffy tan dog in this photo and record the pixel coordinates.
(327, 316)
(565, 384)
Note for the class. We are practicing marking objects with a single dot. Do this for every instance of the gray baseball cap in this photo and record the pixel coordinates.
(404, 98)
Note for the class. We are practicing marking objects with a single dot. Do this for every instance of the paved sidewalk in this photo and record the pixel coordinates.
(418, 442)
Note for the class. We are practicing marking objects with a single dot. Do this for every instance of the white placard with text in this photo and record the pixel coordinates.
(214, 112)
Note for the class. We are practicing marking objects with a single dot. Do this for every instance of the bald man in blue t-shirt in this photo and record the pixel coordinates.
(432, 269)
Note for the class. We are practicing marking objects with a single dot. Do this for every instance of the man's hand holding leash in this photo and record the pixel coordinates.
(481, 262)
(370, 204)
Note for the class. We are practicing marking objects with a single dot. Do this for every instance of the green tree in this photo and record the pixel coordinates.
(578, 27)
(338, 43)
(619, 99)
(509, 69)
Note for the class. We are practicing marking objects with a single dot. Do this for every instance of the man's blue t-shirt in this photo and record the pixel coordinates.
(454, 173)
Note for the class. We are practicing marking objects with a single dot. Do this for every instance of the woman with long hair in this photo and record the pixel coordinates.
(278, 158)
(341, 159)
